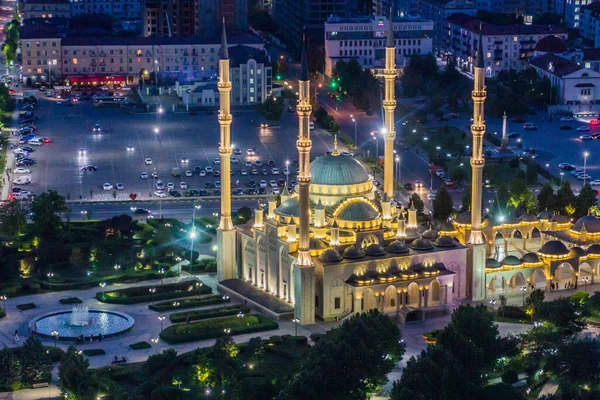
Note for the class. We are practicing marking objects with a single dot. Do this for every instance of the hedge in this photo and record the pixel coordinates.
(2, 313)
(89, 283)
(70, 300)
(141, 294)
(579, 297)
(205, 300)
(94, 352)
(210, 313)
(140, 345)
(26, 306)
(212, 328)
(55, 353)
(512, 312)
(204, 265)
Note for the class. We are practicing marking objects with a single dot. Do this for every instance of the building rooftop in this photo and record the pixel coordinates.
(591, 54)
(30, 2)
(157, 41)
(240, 54)
(368, 19)
(555, 65)
(472, 24)
(551, 44)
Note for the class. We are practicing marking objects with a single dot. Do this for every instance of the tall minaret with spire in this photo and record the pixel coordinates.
(389, 105)
(304, 270)
(226, 237)
(477, 131)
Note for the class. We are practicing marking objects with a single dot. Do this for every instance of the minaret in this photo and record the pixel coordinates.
(477, 131)
(389, 105)
(226, 247)
(504, 134)
(304, 270)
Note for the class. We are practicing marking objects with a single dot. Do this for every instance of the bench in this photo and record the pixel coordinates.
(121, 361)
(40, 385)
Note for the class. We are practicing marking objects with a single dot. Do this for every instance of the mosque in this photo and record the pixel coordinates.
(339, 246)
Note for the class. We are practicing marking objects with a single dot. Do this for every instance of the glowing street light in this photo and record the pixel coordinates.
(296, 321)
(585, 156)
(55, 336)
(523, 289)
(585, 282)
(156, 130)
(161, 318)
(152, 290)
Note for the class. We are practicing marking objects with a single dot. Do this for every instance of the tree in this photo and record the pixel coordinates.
(10, 373)
(336, 357)
(47, 209)
(585, 200)
(244, 214)
(13, 219)
(225, 347)
(535, 300)
(465, 204)
(565, 197)
(577, 361)
(546, 198)
(77, 258)
(500, 205)
(442, 204)
(74, 375)
(416, 202)
(36, 365)
(272, 108)
(568, 316)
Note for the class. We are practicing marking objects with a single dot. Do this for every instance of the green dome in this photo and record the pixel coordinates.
(288, 208)
(357, 211)
(338, 170)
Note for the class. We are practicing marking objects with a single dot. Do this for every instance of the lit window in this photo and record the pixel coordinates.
(489, 55)
(74, 61)
(514, 38)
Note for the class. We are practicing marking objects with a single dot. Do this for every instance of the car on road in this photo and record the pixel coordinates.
(448, 182)
(174, 193)
(263, 184)
(130, 148)
(583, 129)
(203, 192)
(565, 127)
(184, 160)
(19, 151)
(188, 173)
(273, 183)
(216, 192)
(581, 177)
(264, 125)
(250, 152)
(25, 162)
(418, 184)
(594, 122)
(159, 185)
(22, 171)
(203, 173)
(252, 183)
(237, 151)
(248, 164)
(265, 172)
(244, 172)
(585, 137)
(514, 135)
(239, 191)
(566, 166)
(275, 191)
(91, 168)
(107, 186)
(251, 191)
(183, 185)
(160, 193)
(431, 195)
(209, 169)
(216, 161)
(120, 186)
(566, 119)
(595, 182)
(141, 211)
(97, 128)
(234, 160)
(275, 171)
(217, 173)
(271, 163)
(218, 184)
(529, 126)
(170, 185)
(258, 163)
(208, 185)
(148, 161)
(192, 193)
(254, 171)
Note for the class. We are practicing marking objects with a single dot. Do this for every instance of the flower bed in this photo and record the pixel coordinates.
(212, 328)
(70, 300)
(210, 313)
(26, 306)
(142, 294)
(140, 346)
(94, 352)
(205, 300)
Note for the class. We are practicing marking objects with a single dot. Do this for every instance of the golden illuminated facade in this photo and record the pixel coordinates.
(389, 105)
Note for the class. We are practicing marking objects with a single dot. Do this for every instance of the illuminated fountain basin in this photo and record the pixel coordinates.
(71, 324)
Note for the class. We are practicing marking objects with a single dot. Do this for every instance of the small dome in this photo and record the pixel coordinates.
(330, 256)
(492, 263)
(464, 218)
(551, 44)
(592, 224)
(338, 170)
(528, 218)
(317, 244)
(407, 274)
(559, 219)
(545, 215)
(594, 249)
(445, 241)
(511, 261)
(421, 244)
(446, 227)
(352, 252)
(577, 252)
(375, 250)
(357, 211)
(554, 248)
(509, 220)
(288, 208)
(530, 258)
(431, 234)
(397, 247)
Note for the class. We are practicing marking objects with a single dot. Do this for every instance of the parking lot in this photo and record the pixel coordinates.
(171, 140)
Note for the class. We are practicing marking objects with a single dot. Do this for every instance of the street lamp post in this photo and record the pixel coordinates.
(585, 156)
(162, 274)
(585, 282)
(102, 285)
(3, 298)
(192, 238)
(398, 177)
(199, 286)
(296, 321)
(55, 335)
(161, 318)
(523, 289)
(355, 132)
(152, 290)
(155, 341)
(561, 177)
(287, 175)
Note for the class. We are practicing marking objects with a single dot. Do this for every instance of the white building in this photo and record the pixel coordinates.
(364, 39)
(576, 86)
(506, 46)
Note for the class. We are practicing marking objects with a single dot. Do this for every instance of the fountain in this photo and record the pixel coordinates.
(80, 316)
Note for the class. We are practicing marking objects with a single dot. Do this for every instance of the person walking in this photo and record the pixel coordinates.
(16, 335)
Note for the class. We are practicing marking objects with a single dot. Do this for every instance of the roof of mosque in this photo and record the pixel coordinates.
(528, 218)
(594, 249)
(445, 241)
(421, 244)
(591, 223)
(530, 258)
(554, 247)
(352, 252)
(338, 170)
(464, 218)
(288, 208)
(511, 260)
(330, 256)
(375, 250)
(397, 247)
(545, 215)
(357, 211)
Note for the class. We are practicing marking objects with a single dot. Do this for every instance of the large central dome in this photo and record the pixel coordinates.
(338, 170)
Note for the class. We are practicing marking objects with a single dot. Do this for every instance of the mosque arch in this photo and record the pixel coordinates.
(496, 285)
(413, 295)
(538, 279)
(434, 292)
(585, 271)
(369, 240)
(517, 281)
(389, 299)
(564, 275)
(261, 263)
(369, 300)
(280, 284)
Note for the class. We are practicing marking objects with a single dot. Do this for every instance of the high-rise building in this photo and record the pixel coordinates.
(438, 11)
(571, 10)
(211, 14)
(400, 8)
(167, 18)
(293, 15)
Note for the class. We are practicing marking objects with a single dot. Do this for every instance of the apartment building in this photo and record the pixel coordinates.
(438, 10)
(364, 39)
(169, 18)
(47, 9)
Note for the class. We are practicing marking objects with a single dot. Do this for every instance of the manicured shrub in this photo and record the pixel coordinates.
(141, 294)
(205, 300)
(212, 328)
(32, 287)
(26, 306)
(210, 313)
(579, 297)
(2, 313)
(512, 312)
(94, 352)
(140, 345)
(510, 376)
(70, 300)
(54, 353)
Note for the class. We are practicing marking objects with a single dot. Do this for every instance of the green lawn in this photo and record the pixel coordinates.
(142, 294)
(197, 315)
